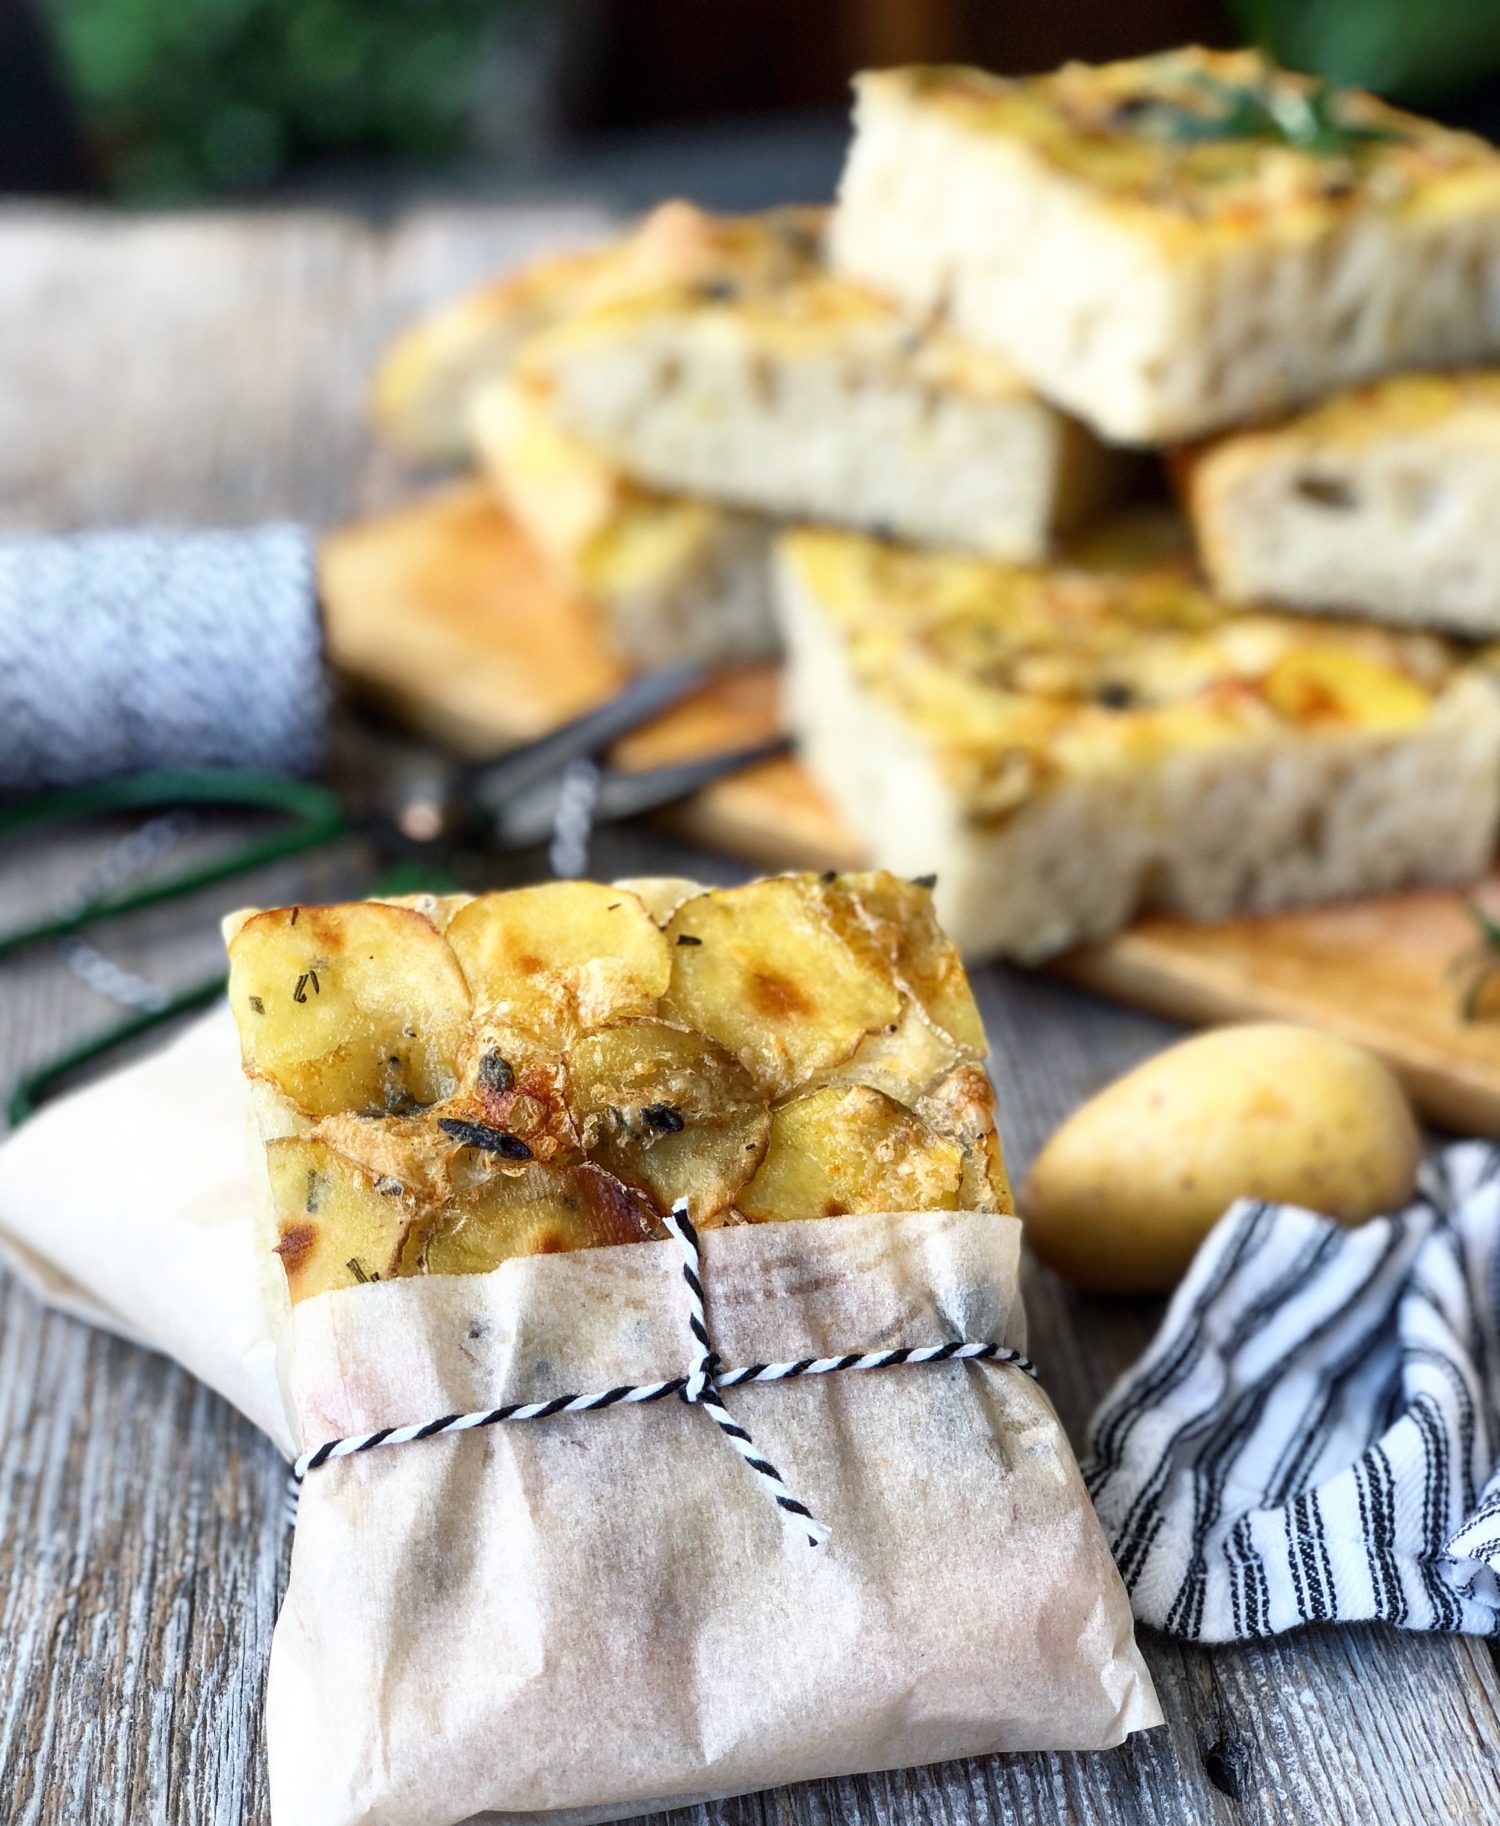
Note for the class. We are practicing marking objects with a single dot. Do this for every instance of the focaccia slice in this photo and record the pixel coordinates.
(1066, 747)
(442, 1084)
(1383, 501)
(426, 379)
(779, 388)
(1170, 245)
(673, 577)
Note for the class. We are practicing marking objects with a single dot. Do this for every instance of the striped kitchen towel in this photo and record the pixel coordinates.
(1313, 1435)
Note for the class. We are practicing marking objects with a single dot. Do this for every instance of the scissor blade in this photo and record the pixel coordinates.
(531, 816)
(495, 784)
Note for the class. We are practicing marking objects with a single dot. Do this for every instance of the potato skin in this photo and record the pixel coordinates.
(1123, 1193)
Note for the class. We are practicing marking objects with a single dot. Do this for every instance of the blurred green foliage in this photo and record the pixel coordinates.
(1411, 50)
(183, 97)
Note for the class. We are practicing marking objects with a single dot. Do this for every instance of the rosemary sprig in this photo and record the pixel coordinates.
(1305, 119)
(1480, 963)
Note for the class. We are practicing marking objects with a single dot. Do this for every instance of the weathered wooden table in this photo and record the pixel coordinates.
(212, 370)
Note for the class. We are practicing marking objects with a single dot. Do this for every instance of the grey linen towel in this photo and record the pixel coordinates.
(122, 651)
(1313, 1435)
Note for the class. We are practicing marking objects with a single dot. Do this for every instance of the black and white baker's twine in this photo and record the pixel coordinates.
(701, 1387)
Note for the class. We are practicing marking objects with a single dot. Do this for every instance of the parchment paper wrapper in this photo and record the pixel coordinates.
(129, 1203)
(594, 1614)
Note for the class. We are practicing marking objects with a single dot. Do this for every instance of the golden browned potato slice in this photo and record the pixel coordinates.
(670, 1112)
(905, 1060)
(763, 970)
(962, 1106)
(900, 919)
(662, 895)
(338, 1224)
(534, 1211)
(556, 960)
(408, 1151)
(849, 1149)
(359, 1008)
(890, 923)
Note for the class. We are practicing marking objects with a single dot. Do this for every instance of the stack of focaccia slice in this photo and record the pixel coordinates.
(1289, 292)
(649, 411)
(1064, 747)
(1181, 250)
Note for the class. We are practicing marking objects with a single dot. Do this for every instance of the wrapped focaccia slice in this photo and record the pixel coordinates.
(1383, 501)
(1168, 245)
(777, 387)
(673, 577)
(1064, 747)
(479, 1116)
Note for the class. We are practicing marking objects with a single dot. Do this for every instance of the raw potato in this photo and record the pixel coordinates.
(1124, 1192)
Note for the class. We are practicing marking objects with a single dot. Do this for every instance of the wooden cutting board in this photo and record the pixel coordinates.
(444, 613)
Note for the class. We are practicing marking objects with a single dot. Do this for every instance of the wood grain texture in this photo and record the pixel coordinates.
(211, 371)
(442, 610)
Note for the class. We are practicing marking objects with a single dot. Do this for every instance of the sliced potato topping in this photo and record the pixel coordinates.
(900, 918)
(512, 1086)
(764, 970)
(669, 1111)
(556, 1067)
(538, 1211)
(850, 1148)
(559, 959)
(962, 1106)
(357, 1008)
(662, 895)
(338, 1225)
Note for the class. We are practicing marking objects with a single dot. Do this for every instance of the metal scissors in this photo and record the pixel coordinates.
(556, 786)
